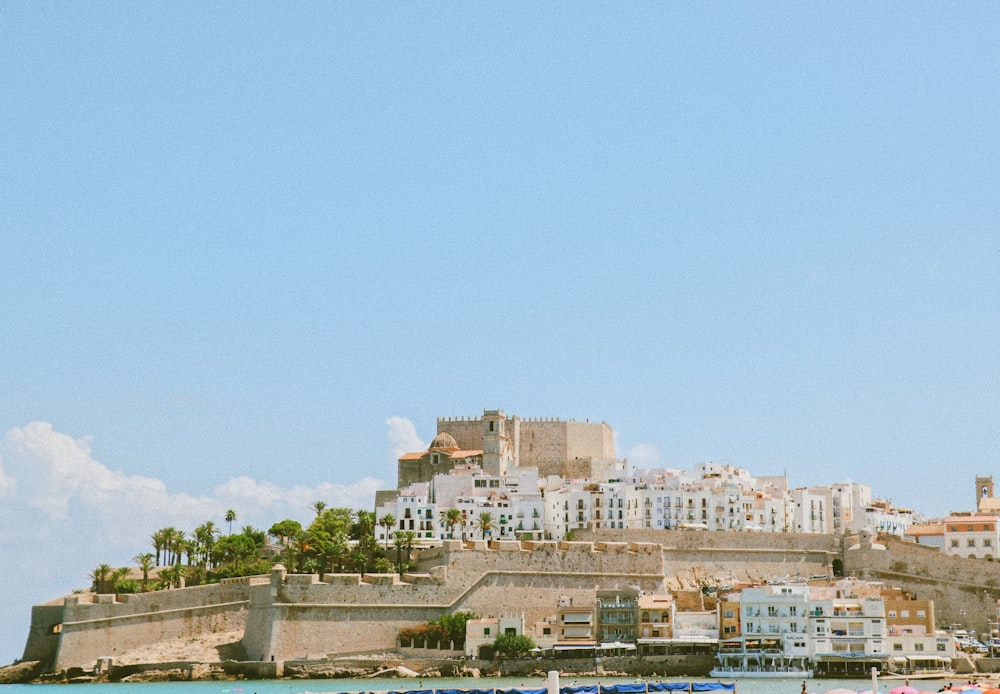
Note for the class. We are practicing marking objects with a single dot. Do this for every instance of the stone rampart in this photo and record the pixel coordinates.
(297, 616)
(95, 626)
(692, 559)
(284, 617)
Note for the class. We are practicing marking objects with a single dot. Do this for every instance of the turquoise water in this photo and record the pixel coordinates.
(743, 686)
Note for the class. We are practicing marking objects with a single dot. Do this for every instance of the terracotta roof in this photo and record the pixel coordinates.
(972, 519)
(928, 529)
(465, 454)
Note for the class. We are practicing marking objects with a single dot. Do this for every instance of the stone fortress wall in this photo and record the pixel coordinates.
(298, 616)
(93, 626)
(285, 616)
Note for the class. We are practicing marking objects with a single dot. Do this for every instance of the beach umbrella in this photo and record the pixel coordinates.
(904, 689)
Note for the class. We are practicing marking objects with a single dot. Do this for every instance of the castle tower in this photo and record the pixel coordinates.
(984, 490)
(497, 448)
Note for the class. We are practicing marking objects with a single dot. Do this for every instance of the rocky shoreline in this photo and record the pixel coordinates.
(356, 668)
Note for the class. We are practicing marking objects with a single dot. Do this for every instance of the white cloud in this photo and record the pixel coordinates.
(645, 455)
(403, 437)
(63, 513)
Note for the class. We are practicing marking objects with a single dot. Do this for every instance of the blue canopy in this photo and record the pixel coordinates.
(625, 688)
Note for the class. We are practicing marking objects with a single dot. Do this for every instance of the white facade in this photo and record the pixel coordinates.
(975, 537)
(710, 496)
(776, 618)
(847, 626)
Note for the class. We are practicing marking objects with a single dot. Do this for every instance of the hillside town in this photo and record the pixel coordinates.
(528, 539)
(504, 477)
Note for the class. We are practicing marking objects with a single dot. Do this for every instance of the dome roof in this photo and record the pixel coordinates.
(443, 440)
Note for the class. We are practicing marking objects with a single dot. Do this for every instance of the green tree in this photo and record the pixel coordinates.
(318, 507)
(513, 645)
(258, 536)
(454, 625)
(158, 544)
(451, 518)
(102, 578)
(284, 530)
(145, 562)
(363, 532)
(484, 523)
(230, 517)
(204, 537)
(387, 521)
(172, 576)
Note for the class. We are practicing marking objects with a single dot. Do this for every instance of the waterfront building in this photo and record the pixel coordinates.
(577, 625)
(617, 611)
(480, 634)
(847, 622)
(770, 634)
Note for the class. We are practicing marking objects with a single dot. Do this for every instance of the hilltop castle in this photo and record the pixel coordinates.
(500, 444)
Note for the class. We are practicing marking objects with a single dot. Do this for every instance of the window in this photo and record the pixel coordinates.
(918, 646)
(897, 647)
(954, 543)
(971, 542)
(486, 630)
(904, 614)
(892, 614)
(921, 614)
(987, 542)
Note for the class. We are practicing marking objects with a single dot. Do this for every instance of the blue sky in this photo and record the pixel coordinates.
(249, 252)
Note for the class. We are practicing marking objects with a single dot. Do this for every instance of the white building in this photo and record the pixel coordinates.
(848, 630)
(975, 537)
(774, 634)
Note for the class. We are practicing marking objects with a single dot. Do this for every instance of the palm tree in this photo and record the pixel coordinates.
(145, 562)
(172, 576)
(117, 576)
(452, 517)
(319, 507)
(158, 544)
(338, 551)
(100, 576)
(204, 537)
(230, 517)
(485, 523)
(365, 529)
(402, 541)
(387, 521)
(169, 538)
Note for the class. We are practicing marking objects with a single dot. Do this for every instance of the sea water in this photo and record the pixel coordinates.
(340, 686)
